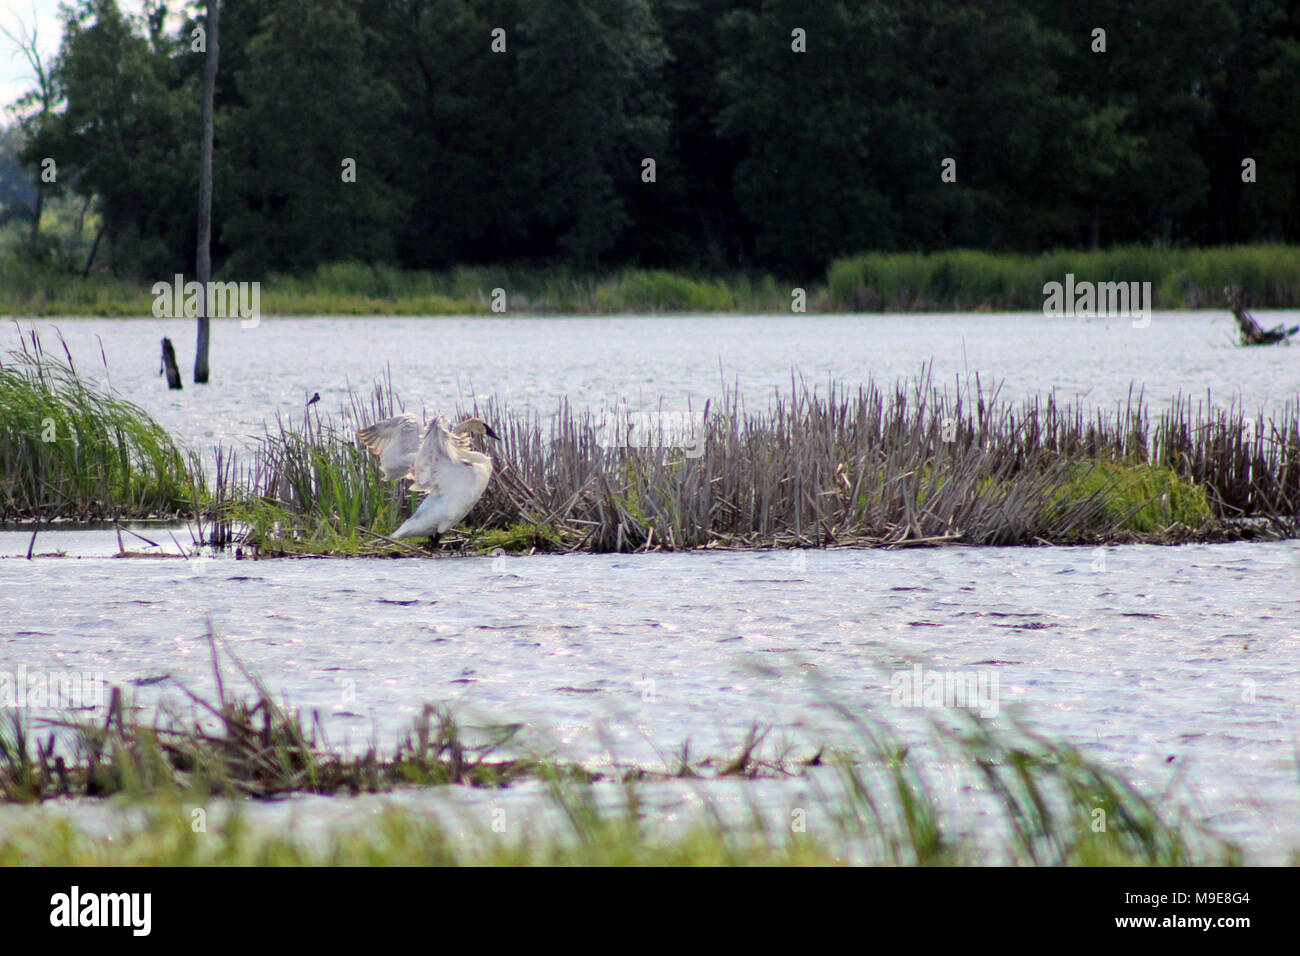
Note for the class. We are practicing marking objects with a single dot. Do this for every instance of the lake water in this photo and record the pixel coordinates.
(1161, 662)
(537, 362)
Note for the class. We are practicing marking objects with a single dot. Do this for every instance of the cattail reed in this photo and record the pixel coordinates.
(912, 464)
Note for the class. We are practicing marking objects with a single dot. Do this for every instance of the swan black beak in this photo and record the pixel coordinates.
(487, 430)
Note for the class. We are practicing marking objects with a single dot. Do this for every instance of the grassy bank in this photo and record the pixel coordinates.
(867, 467)
(961, 280)
(964, 280)
(871, 792)
(357, 289)
(72, 449)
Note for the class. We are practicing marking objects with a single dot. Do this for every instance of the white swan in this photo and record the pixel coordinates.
(443, 463)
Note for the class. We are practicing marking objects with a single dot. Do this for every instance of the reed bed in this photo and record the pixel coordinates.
(241, 746)
(30, 288)
(913, 465)
(874, 788)
(234, 747)
(70, 448)
(965, 279)
(955, 280)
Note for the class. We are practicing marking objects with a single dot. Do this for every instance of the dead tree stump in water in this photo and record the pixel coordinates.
(169, 365)
(1252, 333)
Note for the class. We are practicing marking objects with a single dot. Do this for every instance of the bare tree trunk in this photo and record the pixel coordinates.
(204, 257)
(90, 259)
(36, 216)
(81, 217)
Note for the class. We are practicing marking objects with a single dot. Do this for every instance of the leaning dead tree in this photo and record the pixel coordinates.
(1252, 333)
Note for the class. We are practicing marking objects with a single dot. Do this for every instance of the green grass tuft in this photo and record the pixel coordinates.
(1141, 498)
(70, 448)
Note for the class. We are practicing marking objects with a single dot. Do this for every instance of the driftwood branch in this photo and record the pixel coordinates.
(1252, 333)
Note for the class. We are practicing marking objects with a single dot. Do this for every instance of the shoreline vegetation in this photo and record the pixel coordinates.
(954, 281)
(873, 792)
(70, 448)
(905, 465)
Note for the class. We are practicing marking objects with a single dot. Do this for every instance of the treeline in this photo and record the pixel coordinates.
(783, 133)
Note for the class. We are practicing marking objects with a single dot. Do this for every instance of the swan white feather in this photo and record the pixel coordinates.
(443, 464)
(395, 442)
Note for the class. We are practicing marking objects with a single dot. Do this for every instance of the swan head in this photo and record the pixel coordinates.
(476, 426)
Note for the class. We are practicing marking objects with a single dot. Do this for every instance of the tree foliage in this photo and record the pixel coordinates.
(783, 132)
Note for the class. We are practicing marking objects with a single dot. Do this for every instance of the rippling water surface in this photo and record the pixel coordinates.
(1162, 662)
(1157, 660)
(539, 361)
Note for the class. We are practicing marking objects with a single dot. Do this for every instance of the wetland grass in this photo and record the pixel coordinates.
(234, 746)
(161, 833)
(354, 288)
(914, 464)
(872, 795)
(966, 279)
(32, 288)
(396, 838)
(70, 448)
(917, 464)
(357, 288)
(956, 280)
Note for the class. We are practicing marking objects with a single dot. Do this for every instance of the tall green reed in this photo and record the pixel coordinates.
(70, 448)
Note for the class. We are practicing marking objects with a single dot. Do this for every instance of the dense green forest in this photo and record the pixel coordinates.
(783, 134)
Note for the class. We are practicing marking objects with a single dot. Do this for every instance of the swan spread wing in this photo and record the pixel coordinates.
(396, 442)
(451, 472)
(442, 463)
(437, 457)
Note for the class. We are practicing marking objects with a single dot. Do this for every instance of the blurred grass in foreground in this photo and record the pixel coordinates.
(870, 794)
